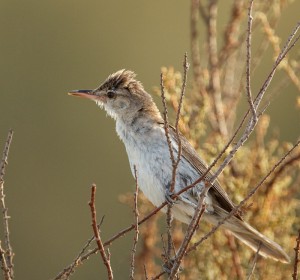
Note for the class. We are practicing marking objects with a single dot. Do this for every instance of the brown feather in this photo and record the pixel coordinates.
(217, 193)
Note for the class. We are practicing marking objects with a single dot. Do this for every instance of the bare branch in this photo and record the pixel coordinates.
(254, 263)
(213, 61)
(146, 273)
(280, 170)
(173, 162)
(195, 52)
(248, 85)
(4, 266)
(296, 261)
(190, 231)
(238, 207)
(8, 248)
(136, 220)
(232, 30)
(165, 117)
(105, 258)
(287, 47)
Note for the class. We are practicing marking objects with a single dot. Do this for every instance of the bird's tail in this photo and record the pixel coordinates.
(251, 237)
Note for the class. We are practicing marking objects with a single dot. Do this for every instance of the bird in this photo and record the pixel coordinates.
(140, 126)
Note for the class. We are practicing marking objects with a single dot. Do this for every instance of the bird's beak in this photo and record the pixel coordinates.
(86, 93)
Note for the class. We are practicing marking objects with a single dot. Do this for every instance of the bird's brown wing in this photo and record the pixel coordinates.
(216, 191)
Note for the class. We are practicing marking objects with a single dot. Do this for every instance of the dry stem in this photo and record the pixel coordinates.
(4, 266)
(190, 231)
(254, 263)
(248, 85)
(238, 207)
(136, 225)
(8, 248)
(105, 258)
(296, 261)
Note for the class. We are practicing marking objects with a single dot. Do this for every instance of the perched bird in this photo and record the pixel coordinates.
(140, 126)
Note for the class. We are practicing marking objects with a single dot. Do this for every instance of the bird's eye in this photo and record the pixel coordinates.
(111, 94)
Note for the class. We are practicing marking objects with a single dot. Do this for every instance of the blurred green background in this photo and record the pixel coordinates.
(61, 144)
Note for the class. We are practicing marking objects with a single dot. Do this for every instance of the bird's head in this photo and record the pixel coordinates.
(121, 95)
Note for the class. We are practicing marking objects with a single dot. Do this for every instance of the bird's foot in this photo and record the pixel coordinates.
(168, 265)
(168, 197)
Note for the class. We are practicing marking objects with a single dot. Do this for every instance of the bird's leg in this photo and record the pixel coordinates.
(168, 265)
(169, 194)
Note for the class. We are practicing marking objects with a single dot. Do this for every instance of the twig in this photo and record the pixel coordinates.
(8, 248)
(158, 275)
(4, 266)
(67, 272)
(232, 30)
(195, 52)
(165, 117)
(145, 272)
(190, 231)
(280, 170)
(254, 263)
(105, 258)
(248, 64)
(296, 261)
(173, 162)
(136, 220)
(238, 207)
(213, 61)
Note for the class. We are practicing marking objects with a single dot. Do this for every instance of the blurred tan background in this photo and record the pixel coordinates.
(62, 144)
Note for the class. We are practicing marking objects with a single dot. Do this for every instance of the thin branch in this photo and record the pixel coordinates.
(214, 69)
(136, 220)
(296, 261)
(248, 64)
(254, 263)
(4, 267)
(146, 273)
(165, 117)
(232, 30)
(69, 271)
(190, 231)
(175, 166)
(105, 258)
(195, 52)
(8, 248)
(238, 207)
(173, 162)
(280, 170)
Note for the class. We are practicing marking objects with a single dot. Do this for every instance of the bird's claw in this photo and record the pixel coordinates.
(168, 197)
(168, 265)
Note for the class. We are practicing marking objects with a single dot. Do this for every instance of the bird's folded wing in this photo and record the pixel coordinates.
(190, 154)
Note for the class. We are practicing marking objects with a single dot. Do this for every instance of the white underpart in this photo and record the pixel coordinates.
(147, 149)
